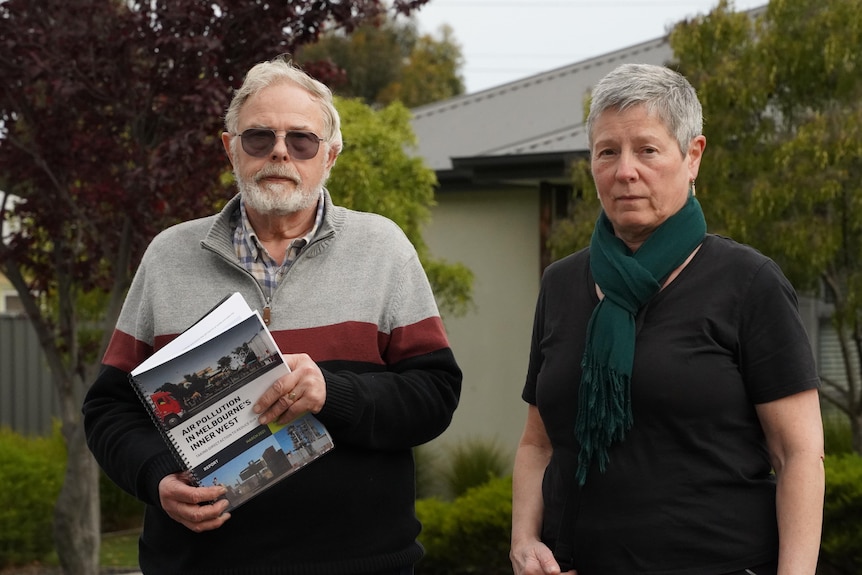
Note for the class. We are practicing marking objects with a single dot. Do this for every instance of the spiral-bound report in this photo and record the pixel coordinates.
(199, 390)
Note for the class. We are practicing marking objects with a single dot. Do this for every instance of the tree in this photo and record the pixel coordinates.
(785, 169)
(109, 131)
(782, 100)
(387, 60)
(431, 74)
(374, 174)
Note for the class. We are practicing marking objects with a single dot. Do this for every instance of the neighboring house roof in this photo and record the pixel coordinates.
(541, 115)
(525, 131)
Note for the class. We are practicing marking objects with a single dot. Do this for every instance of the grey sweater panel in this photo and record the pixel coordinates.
(359, 268)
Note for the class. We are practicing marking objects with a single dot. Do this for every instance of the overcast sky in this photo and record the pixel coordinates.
(506, 40)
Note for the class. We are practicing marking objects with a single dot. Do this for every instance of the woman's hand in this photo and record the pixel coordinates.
(534, 558)
(529, 555)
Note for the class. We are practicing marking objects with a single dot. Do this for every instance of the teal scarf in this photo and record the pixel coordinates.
(628, 281)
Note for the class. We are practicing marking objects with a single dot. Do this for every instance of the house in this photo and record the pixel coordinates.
(10, 302)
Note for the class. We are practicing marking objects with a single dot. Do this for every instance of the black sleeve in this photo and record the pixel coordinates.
(776, 355)
(124, 439)
(409, 404)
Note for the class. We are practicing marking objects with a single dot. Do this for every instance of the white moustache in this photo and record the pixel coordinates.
(280, 172)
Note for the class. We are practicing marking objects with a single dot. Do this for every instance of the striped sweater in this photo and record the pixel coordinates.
(358, 302)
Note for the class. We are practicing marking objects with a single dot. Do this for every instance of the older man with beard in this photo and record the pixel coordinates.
(350, 307)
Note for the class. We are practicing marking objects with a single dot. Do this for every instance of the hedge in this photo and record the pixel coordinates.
(31, 473)
(841, 544)
(470, 534)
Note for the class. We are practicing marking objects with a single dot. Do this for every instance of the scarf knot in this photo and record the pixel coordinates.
(628, 281)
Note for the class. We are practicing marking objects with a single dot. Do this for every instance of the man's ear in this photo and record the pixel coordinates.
(331, 156)
(225, 140)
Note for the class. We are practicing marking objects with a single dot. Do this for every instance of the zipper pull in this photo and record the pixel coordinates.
(266, 315)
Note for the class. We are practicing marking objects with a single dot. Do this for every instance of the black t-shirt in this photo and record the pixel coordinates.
(689, 490)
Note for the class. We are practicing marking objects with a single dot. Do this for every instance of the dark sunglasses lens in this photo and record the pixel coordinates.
(257, 143)
(302, 145)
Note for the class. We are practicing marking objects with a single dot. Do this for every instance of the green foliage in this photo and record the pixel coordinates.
(118, 553)
(783, 164)
(837, 434)
(470, 534)
(431, 74)
(388, 61)
(471, 463)
(782, 169)
(371, 56)
(571, 234)
(375, 173)
(119, 550)
(426, 461)
(31, 473)
(120, 511)
(841, 545)
(452, 284)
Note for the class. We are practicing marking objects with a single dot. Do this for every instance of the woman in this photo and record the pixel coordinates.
(673, 424)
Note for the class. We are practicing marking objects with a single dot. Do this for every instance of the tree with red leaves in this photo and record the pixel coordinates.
(110, 115)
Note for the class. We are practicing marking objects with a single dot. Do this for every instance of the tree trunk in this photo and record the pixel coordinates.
(77, 529)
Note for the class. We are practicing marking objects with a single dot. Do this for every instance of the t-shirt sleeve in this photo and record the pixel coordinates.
(776, 356)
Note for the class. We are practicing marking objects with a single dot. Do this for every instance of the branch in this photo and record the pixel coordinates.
(27, 111)
(840, 405)
(121, 284)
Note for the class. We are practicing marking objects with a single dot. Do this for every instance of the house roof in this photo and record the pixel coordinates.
(538, 115)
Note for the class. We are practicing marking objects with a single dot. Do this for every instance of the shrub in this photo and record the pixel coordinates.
(472, 463)
(31, 473)
(426, 462)
(434, 516)
(470, 534)
(837, 435)
(120, 511)
(841, 545)
(32, 470)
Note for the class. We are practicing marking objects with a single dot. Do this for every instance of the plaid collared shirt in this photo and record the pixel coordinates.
(254, 257)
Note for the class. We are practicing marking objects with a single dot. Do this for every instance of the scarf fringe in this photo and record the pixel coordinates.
(604, 415)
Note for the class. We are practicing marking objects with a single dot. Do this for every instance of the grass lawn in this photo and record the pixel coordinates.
(119, 552)
(120, 549)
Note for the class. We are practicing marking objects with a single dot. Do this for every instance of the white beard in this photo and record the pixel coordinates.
(273, 198)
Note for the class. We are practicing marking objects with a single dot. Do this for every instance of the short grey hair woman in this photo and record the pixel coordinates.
(673, 421)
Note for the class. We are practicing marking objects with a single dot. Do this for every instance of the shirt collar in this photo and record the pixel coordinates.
(249, 238)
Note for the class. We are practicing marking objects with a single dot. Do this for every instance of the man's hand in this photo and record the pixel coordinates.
(194, 507)
(302, 390)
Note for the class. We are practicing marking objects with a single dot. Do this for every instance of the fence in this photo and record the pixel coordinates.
(28, 401)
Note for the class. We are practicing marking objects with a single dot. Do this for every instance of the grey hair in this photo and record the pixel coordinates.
(664, 92)
(278, 71)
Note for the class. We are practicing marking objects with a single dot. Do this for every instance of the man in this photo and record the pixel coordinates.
(351, 309)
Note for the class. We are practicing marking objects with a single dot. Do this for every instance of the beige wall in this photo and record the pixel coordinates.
(496, 235)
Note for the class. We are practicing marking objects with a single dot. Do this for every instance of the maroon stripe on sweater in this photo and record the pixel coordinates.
(125, 352)
(359, 341)
(348, 341)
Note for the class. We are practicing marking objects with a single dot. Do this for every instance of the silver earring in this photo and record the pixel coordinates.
(691, 189)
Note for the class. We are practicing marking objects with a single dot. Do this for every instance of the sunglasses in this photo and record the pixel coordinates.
(259, 142)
